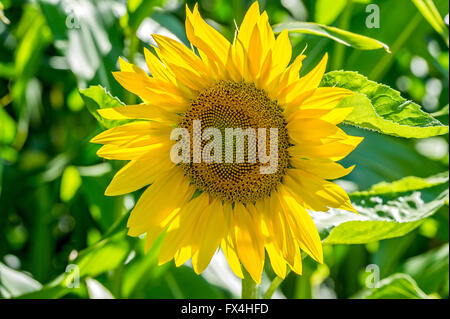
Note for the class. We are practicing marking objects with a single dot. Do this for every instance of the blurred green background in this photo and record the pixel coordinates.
(52, 209)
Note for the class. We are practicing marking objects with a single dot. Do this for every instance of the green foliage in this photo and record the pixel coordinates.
(342, 36)
(60, 237)
(429, 270)
(14, 283)
(96, 97)
(70, 182)
(432, 15)
(398, 286)
(387, 210)
(380, 108)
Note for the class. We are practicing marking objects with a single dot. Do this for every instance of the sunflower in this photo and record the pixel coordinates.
(200, 207)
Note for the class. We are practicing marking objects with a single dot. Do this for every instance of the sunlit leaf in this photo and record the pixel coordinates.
(7, 128)
(96, 97)
(344, 37)
(387, 210)
(429, 11)
(70, 182)
(86, 33)
(326, 11)
(442, 112)
(380, 108)
(429, 269)
(106, 255)
(138, 10)
(14, 283)
(96, 290)
(398, 286)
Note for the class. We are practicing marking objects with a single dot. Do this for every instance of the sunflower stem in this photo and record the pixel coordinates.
(249, 287)
(273, 287)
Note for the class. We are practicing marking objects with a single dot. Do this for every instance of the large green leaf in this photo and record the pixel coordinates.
(398, 286)
(345, 37)
(387, 210)
(380, 108)
(96, 97)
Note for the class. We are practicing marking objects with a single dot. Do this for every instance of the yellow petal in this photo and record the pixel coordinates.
(333, 116)
(211, 237)
(124, 134)
(297, 265)
(316, 191)
(281, 53)
(210, 42)
(326, 98)
(184, 63)
(156, 67)
(141, 111)
(181, 230)
(122, 152)
(292, 73)
(140, 172)
(182, 255)
(276, 260)
(248, 24)
(129, 67)
(313, 78)
(231, 256)
(152, 91)
(153, 211)
(323, 168)
(249, 241)
(255, 54)
(302, 224)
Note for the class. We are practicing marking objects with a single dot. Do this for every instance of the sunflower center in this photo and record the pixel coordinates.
(258, 160)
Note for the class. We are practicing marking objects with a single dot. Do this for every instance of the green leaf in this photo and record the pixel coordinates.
(96, 290)
(107, 254)
(384, 158)
(138, 10)
(96, 97)
(397, 286)
(91, 41)
(344, 37)
(429, 11)
(3, 18)
(14, 283)
(326, 11)
(380, 108)
(441, 112)
(7, 129)
(429, 269)
(387, 210)
(36, 37)
(70, 182)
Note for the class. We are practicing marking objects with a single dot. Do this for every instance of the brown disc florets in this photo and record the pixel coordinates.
(229, 104)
